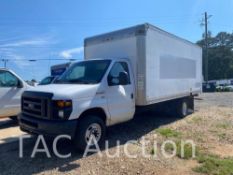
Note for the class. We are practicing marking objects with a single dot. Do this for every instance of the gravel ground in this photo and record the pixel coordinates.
(213, 110)
(214, 99)
(9, 131)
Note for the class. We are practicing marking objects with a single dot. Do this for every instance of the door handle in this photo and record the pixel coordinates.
(131, 95)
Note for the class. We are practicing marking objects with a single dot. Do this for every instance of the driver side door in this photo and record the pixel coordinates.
(120, 97)
(10, 94)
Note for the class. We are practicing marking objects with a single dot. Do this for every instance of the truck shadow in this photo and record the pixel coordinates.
(6, 123)
(132, 130)
(142, 124)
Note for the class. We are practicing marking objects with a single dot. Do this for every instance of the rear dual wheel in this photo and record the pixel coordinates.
(184, 107)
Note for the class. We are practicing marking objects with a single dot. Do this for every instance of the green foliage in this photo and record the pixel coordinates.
(167, 132)
(152, 152)
(223, 125)
(214, 165)
(220, 57)
(187, 150)
(197, 119)
(222, 136)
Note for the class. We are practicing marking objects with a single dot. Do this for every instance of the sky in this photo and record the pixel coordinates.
(48, 30)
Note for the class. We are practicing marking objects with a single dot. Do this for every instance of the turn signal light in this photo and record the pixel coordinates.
(63, 103)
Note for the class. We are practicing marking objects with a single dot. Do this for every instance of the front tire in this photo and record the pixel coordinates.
(88, 127)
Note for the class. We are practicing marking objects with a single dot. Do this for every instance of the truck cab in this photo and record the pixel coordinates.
(11, 89)
(89, 96)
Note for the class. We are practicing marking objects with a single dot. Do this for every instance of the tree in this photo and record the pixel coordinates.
(33, 80)
(220, 49)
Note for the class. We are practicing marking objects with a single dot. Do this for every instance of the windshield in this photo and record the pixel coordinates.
(85, 72)
(47, 80)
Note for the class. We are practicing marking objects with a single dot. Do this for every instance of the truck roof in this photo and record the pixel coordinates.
(131, 31)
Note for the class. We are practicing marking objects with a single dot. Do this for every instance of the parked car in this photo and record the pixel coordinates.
(11, 89)
(209, 87)
(136, 67)
(224, 88)
(220, 88)
(229, 87)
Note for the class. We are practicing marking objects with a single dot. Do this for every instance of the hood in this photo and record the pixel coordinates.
(68, 91)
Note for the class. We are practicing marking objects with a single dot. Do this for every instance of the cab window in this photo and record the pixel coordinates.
(114, 73)
(8, 80)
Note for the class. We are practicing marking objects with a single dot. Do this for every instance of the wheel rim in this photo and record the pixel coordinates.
(184, 108)
(93, 131)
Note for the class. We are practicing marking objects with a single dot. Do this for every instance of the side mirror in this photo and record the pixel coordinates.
(123, 78)
(19, 84)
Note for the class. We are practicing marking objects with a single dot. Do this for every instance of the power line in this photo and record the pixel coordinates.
(5, 61)
(44, 59)
(85, 20)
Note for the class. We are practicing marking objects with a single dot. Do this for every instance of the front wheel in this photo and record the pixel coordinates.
(90, 129)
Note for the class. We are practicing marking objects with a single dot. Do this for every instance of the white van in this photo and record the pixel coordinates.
(11, 89)
(137, 66)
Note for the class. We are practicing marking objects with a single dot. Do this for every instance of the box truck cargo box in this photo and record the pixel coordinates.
(165, 66)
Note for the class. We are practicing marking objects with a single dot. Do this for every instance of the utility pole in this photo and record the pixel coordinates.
(5, 61)
(206, 46)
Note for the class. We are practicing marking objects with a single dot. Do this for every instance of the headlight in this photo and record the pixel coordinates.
(62, 109)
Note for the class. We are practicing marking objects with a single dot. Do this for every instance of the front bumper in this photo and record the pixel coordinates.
(51, 128)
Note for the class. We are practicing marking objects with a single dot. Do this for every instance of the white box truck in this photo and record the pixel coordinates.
(137, 66)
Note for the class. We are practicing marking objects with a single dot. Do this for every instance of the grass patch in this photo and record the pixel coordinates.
(222, 136)
(197, 120)
(214, 131)
(214, 165)
(223, 125)
(187, 150)
(167, 132)
(198, 136)
(152, 152)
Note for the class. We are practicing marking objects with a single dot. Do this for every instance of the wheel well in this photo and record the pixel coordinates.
(99, 112)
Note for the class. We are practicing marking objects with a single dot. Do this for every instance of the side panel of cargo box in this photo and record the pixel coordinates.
(173, 67)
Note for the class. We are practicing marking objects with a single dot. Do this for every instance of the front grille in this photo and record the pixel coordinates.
(36, 104)
(35, 107)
